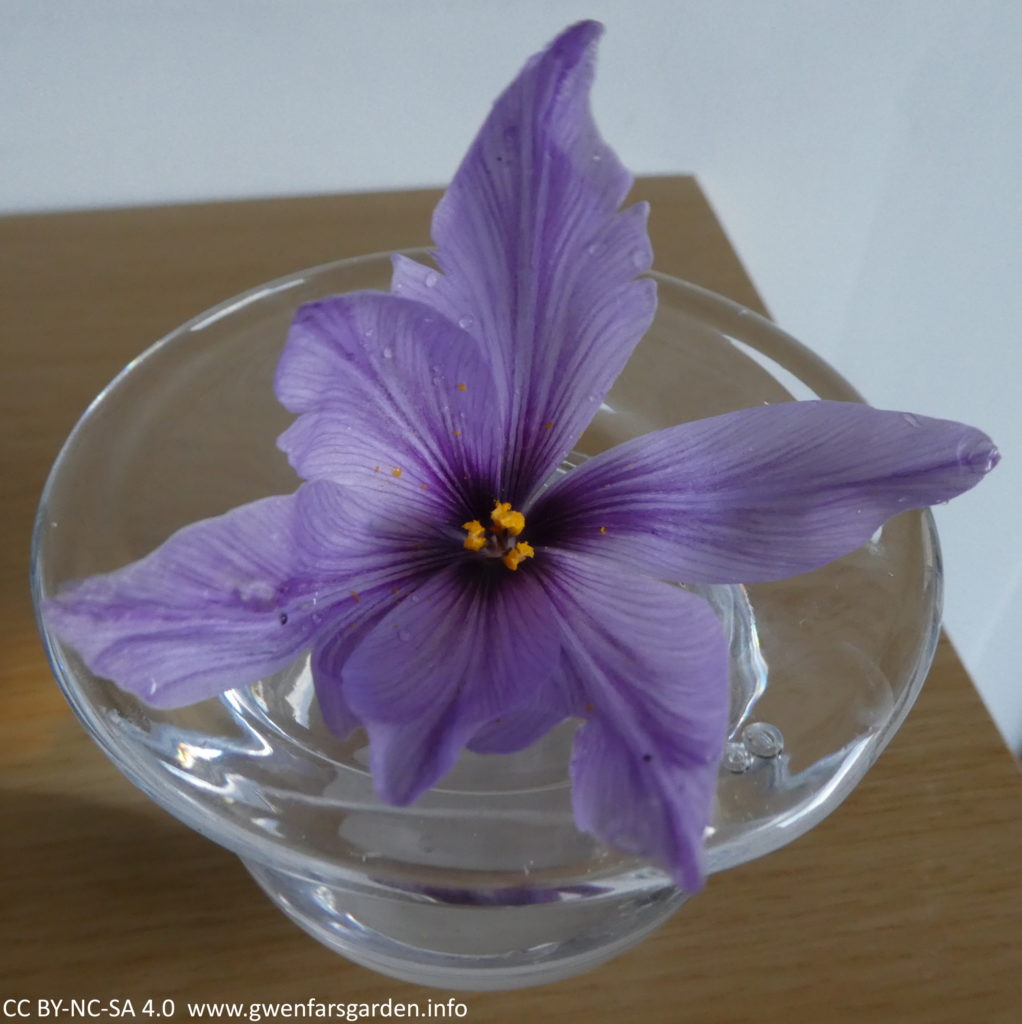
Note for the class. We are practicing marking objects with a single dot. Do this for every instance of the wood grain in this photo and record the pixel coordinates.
(904, 906)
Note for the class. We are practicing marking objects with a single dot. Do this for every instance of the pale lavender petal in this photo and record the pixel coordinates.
(648, 663)
(534, 260)
(393, 397)
(472, 643)
(222, 603)
(327, 660)
(655, 812)
(762, 493)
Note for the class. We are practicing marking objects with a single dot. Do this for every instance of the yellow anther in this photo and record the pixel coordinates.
(548, 426)
(476, 538)
(463, 387)
(506, 518)
(395, 471)
(518, 554)
(603, 529)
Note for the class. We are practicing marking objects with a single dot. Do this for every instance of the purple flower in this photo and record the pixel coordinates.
(454, 590)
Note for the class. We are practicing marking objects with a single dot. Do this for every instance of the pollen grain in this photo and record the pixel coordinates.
(522, 550)
(476, 539)
(504, 517)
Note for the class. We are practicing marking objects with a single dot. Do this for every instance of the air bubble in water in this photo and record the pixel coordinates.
(737, 758)
(763, 739)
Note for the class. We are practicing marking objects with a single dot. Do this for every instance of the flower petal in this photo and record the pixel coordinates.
(660, 814)
(395, 398)
(515, 730)
(762, 493)
(536, 262)
(348, 532)
(327, 659)
(472, 642)
(650, 663)
(222, 603)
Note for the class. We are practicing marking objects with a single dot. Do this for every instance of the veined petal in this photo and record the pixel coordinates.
(349, 532)
(462, 649)
(657, 813)
(762, 493)
(535, 260)
(648, 663)
(515, 730)
(328, 658)
(383, 557)
(393, 397)
(222, 603)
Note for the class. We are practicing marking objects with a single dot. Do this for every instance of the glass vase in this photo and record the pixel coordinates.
(483, 883)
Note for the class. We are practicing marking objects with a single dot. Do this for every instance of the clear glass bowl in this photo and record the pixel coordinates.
(484, 882)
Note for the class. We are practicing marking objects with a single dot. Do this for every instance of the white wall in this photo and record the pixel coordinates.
(865, 156)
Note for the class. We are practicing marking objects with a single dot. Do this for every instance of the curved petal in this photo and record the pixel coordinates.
(536, 262)
(383, 555)
(222, 603)
(762, 493)
(515, 730)
(462, 649)
(327, 660)
(660, 813)
(649, 664)
(393, 397)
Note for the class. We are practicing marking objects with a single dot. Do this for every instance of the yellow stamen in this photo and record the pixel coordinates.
(457, 433)
(549, 426)
(506, 518)
(355, 595)
(476, 538)
(463, 387)
(603, 529)
(395, 471)
(522, 550)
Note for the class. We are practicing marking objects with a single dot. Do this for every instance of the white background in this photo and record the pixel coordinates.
(864, 155)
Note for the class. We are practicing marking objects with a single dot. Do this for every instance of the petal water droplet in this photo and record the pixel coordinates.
(912, 421)
(431, 279)
(388, 353)
(466, 322)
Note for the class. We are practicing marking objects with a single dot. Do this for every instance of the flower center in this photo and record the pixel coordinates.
(499, 540)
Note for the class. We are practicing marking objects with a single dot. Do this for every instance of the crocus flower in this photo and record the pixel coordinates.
(456, 591)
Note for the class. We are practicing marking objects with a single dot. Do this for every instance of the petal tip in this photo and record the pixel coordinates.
(981, 454)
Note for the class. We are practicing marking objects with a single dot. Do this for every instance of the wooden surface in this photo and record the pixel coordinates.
(904, 906)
